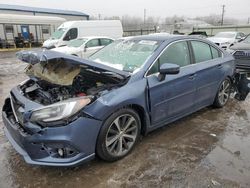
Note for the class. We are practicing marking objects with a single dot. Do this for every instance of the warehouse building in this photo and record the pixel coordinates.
(35, 11)
(25, 26)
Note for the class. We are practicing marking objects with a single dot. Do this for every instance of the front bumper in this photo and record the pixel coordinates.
(77, 140)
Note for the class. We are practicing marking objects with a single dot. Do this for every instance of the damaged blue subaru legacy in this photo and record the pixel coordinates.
(71, 110)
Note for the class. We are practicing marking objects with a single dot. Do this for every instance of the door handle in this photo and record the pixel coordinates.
(192, 76)
(219, 66)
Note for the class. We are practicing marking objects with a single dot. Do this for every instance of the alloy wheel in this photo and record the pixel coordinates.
(224, 92)
(121, 135)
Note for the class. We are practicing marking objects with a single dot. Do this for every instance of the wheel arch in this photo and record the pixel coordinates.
(144, 118)
(230, 78)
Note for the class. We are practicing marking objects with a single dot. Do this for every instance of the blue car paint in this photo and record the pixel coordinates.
(80, 134)
(159, 102)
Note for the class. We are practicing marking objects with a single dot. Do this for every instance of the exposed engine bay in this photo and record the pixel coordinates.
(57, 80)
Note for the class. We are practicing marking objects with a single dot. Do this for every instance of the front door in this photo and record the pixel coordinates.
(91, 47)
(173, 97)
(25, 32)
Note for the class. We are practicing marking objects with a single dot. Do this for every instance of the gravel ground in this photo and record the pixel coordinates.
(209, 148)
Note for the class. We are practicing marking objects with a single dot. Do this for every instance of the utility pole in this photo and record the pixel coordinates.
(222, 15)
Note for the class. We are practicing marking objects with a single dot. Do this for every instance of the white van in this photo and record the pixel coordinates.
(76, 29)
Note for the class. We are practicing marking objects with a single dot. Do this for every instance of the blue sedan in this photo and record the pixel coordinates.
(73, 109)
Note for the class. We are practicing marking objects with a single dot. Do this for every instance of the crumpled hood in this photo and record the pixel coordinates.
(66, 50)
(220, 40)
(39, 56)
(241, 46)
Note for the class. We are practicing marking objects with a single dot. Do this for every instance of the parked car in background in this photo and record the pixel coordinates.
(226, 39)
(76, 29)
(243, 44)
(201, 34)
(72, 109)
(241, 52)
(85, 46)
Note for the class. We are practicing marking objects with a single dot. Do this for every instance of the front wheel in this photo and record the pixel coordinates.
(223, 93)
(118, 135)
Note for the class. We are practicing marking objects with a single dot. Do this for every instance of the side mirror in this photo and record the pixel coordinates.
(85, 49)
(168, 68)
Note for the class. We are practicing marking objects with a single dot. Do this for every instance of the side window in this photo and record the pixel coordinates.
(105, 42)
(215, 53)
(176, 53)
(9, 29)
(241, 35)
(93, 43)
(238, 36)
(71, 34)
(45, 30)
(201, 51)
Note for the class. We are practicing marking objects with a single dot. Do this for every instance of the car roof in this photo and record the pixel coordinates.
(161, 37)
(233, 32)
(93, 37)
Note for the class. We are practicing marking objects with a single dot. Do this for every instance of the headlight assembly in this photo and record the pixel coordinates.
(60, 110)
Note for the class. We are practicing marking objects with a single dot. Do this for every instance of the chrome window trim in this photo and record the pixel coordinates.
(181, 40)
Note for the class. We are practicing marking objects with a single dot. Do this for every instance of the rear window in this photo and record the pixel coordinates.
(215, 53)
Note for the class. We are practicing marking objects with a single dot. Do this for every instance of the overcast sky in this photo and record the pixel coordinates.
(160, 8)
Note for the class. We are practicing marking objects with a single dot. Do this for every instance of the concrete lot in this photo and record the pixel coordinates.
(210, 148)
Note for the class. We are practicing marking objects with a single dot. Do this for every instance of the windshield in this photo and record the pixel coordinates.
(126, 55)
(225, 35)
(58, 33)
(76, 43)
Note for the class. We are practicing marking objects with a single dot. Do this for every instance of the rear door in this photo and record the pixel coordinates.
(173, 97)
(105, 42)
(209, 72)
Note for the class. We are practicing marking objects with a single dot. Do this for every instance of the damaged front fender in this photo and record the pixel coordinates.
(119, 98)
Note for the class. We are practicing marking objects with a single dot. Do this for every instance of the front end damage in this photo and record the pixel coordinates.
(44, 116)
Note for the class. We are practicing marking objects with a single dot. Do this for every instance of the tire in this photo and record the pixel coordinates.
(118, 135)
(223, 94)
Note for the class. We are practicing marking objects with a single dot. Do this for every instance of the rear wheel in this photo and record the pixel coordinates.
(223, 93)
(118, 135)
